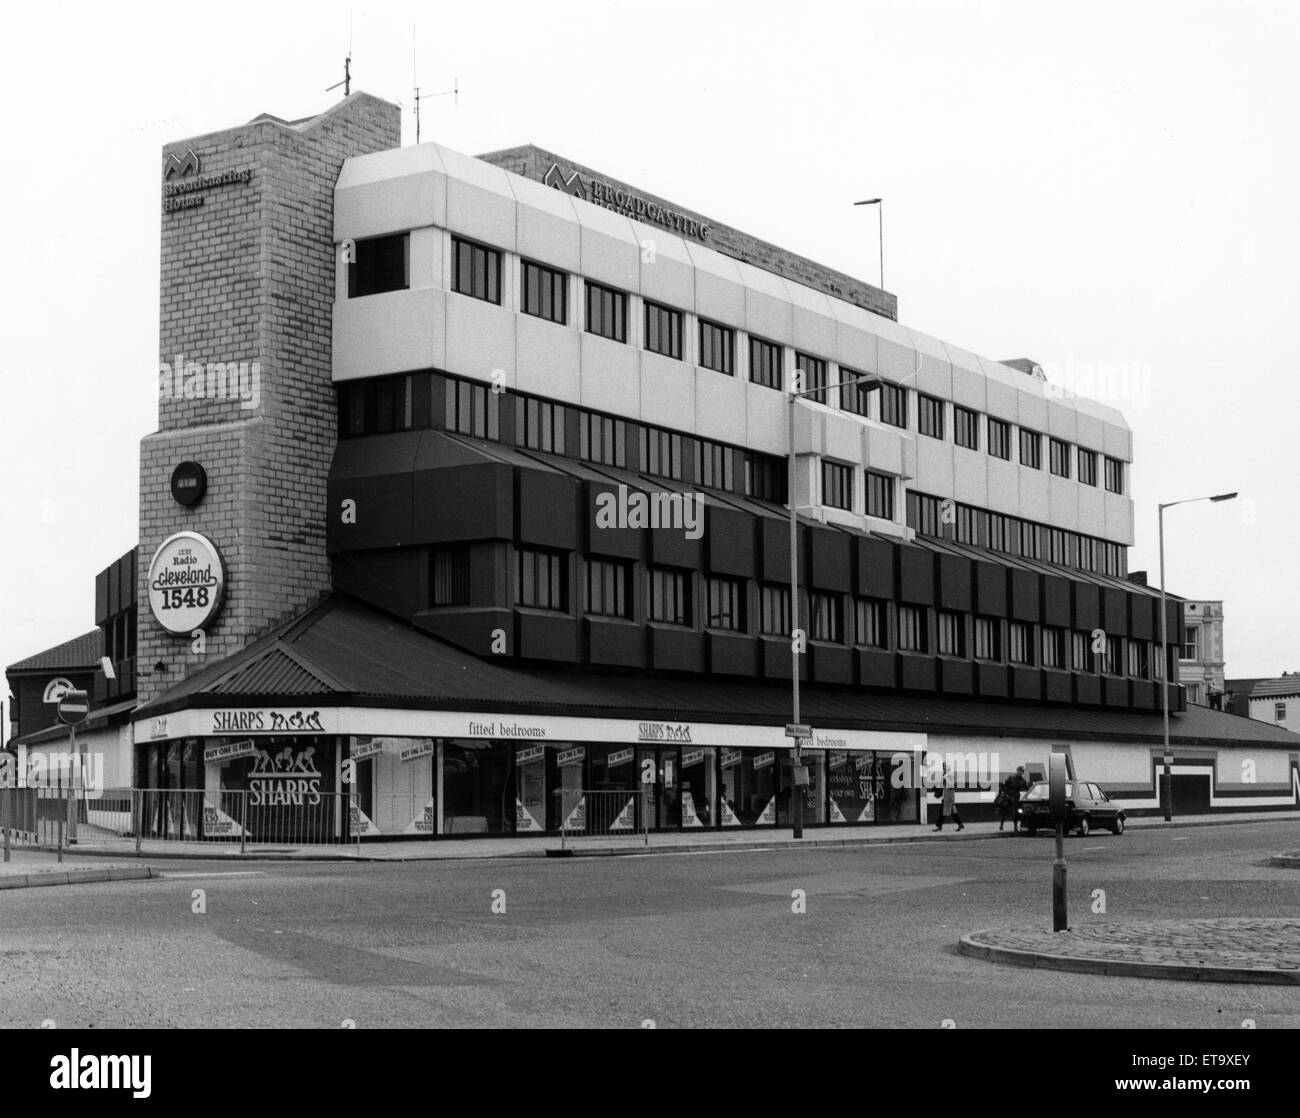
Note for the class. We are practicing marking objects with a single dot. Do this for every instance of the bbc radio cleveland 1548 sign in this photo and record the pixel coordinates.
(186, 581)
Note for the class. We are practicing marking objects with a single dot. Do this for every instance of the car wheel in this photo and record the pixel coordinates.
(1118, 825)
(1084, 827)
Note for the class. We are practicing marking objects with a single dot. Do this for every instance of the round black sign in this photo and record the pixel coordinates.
(189, 483)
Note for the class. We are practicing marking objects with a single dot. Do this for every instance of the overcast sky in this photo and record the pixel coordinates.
(1082, 184)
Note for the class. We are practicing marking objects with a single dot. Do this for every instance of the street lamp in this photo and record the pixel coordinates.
(879, 203)
(1164, 648)
(871, 383)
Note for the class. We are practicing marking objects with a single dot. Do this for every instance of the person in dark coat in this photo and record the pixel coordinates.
(948, 806)
(1013, 788)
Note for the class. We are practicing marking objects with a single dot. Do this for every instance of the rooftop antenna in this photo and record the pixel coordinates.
(346, 83)
(453, 92)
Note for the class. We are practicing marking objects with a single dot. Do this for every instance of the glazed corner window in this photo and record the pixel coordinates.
(1059, 457)
(987, 631)
(1114, 475)
(930, 415)
(540, 580)
(449, 576)
(670, 596)
(766, 477)
(893, 405)
(912, 634)
(717, 347)
(871, 627)
(476, 270)
(1031, 449)
(1019, 647)
(606, 312)
(1087, 466)
(473, 409)
(814, 375)
(608, 583)
(726, 604)
(545, 293)
(381, 264)
(952, 633)
(1000, 439)
(965, 427)
(376, 406)
(774, 614)
(826, 616)
(663, 330)
(880, 495)
(765, 363)
(837, 485)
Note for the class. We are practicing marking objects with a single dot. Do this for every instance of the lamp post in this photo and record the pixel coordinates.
(879, 203)
(871, 382)
(1164, 648)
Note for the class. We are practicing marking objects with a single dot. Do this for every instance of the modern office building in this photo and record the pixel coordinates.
(470, 492)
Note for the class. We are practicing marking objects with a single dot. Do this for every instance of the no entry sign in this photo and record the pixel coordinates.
(73, 707)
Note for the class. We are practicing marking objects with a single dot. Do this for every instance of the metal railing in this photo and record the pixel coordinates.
(37, 818)
(602, 813)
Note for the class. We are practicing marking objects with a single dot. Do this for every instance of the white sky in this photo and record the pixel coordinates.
(1079, 183)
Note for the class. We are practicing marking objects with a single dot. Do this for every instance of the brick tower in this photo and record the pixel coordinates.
(247, 283)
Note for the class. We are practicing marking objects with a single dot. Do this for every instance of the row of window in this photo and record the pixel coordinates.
(541, 582)
(476, 272)
(383, 405)
(837, 489)
(952, 520)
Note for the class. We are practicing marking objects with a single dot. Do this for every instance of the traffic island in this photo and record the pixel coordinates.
(75, 875)
(1231, 949)
(1287, 860)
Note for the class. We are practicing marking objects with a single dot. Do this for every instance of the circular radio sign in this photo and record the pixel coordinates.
(186, 581)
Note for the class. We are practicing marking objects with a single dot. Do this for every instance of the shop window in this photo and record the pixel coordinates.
(382, 264)
(476, 790)
(476, 270)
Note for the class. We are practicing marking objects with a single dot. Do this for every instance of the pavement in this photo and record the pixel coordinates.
(1227, 949)
(105, 844)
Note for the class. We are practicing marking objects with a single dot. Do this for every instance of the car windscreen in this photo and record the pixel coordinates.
(1039, 791)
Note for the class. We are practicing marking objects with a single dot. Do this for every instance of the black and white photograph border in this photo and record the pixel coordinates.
(663, 516)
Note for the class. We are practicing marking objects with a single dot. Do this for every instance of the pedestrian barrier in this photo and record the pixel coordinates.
(603, 813)
(37, 817)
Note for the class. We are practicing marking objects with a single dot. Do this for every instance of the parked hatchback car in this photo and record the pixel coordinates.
(1086, 807)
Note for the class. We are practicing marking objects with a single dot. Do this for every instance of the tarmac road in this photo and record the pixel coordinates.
(682, 939)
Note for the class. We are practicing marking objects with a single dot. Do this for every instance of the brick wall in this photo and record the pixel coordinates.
(247, 279)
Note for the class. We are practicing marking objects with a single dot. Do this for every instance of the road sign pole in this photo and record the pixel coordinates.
(1060, 918)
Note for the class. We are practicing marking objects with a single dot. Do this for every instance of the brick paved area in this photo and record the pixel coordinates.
(1230, 949)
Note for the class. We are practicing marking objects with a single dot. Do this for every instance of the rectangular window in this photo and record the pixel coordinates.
(765, 363)
(608, 586)
(854, 397)
(540, 580)
(717, 347)
(1000, 439)
(604, 440)
(376, 406)
(726, 604)
(663, 330)
(815, 375)
(1114, 475)
(1279, 712)
(826, 616)
(965, 427)
(880, 495)
(924, 514)
(1056, 550)
(999, 532)
(1139, 659)
(987, 643)
(661, 453)
(380, 264)
(449, 576)
(952, 633)
(1020, 649)
(1113, 661)
(930, 415)
(871, 628)
(546, 292)
(1031, 449)
(670, 601)
(1087, 554)
(837, 485)
(968, 525)
(1053, 647)
(476, 270)
(766, 477)
(1059, 457)
(893, 405)
(1087, 466)
(774, 612)
(473, 409)
(714, 465)
(912, 634)
(1191, 643)
(1031, 540)
(539, 425)
(1083, 659)
(606, 312)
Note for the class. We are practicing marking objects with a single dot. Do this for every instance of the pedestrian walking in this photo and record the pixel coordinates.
(948, 805)
(1008, 800)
